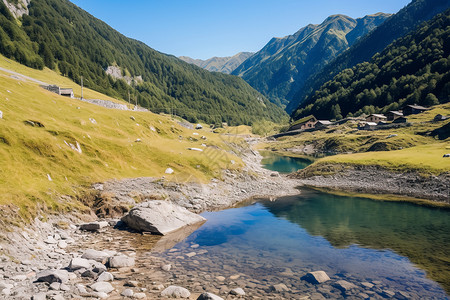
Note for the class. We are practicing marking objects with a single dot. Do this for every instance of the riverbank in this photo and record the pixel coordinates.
(372, 179)
(52, 242)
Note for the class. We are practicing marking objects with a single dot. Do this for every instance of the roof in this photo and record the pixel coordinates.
(371, 123)
(417, 107)
(324, 122)
(304, 120)
(378, 116)
(396, 113)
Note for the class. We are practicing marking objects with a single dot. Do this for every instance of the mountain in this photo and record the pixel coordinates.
(282, 66)
(414, 69)
(219, 64)
(400, 24)
(59, 35)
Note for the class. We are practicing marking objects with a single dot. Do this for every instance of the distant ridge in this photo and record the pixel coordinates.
(219, 64)
(282, 66)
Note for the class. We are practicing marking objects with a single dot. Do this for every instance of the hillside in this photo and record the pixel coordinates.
(64, 38)
(219, 64)
(400, 24)
(282, 66)
(412, 70)
(38, 127)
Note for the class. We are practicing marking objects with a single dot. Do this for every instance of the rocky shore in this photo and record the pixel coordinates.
(47, 259)
(377, 180)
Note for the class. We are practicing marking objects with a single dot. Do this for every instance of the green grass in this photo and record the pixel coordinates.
(109, 148)
(412, 148)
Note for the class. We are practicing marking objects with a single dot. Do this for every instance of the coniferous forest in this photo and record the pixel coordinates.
(412, 70)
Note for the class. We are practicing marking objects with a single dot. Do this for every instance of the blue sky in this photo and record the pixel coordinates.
(203, 29)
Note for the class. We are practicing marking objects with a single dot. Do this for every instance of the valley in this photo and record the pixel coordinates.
(315, 168)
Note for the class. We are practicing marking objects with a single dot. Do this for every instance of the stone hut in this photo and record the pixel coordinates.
(393, 114)
(304, 123)
(376, 118)
(413, 109)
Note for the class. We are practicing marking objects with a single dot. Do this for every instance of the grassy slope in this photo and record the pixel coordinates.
(418, 151)
(109, 150)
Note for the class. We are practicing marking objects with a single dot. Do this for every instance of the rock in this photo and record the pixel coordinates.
(169, 171)
(316, 277)
(93, 226)
(51, 276)
(64, 287)
(198, 126)
(196, 149)
(19, 277)
(140, 296)
(160, 217)
(101, 295)
(166, 267)
(237, 292)
(81, 288)
(132, 283)
(1, 114)
(79, 263)
(89, 274)
(446, 155)
(127, 293)
(50, 239)
(99, 256)
(344, 285)
(388, 294)
(57, 297)
(40, 296)
(209, 296)
(104, 287)
(105, 276)
(138, 140)
(55, 286)
(367, 285)
(62, 244)
(174, 291)
(98, 267)
(121, 261)
(279, 288)
(220, 278)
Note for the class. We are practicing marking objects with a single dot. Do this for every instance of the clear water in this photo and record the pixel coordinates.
(403, 246)
(283, 164)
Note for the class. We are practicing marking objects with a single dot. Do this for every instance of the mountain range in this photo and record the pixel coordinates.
(398, 25)
(59, 35)
(219, 64)
(282, 66)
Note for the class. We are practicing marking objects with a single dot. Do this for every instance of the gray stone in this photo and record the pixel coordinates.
(160, 217)
(174, 291)
(62, 244)
(127, 293)
(81, 288)
(101, 295)
(79, 263)
(316, 277)
(344, 285)
(98, 267)
(166, 267)
(121, 261)
(104, 287)
(132, 283)
(1, 114)
(40, 296)
(140, 296)
(169, 171)
(51, 276)
(89, 274)
(367, 285)
(55, 286)
(388, 294)
(279, 288)
(64, 287)
(57, 297)
(98, 256)
(93, 226)
(237, 292)
(105, 276)
(209, 296)
(50, 240)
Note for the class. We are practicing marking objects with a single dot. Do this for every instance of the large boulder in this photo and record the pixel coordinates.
(316, 277)
(160, 217)
(121, 261)
(99, 256)
(209, 296)
(174, 291)
(50, 276)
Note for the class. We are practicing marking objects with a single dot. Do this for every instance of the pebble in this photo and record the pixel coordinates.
(237, 292)
(174, 291)
(140, 296)
(127, 293)
(104, 287)
(105, 276)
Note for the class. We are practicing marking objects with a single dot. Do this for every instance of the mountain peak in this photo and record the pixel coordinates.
(219, 64)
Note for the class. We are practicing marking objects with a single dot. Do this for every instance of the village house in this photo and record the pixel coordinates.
(322, 124)
(400, 120)
(367, 125)
(376, 118)
(67, 92)
(393, 114)
(413, 109)
(304, 123)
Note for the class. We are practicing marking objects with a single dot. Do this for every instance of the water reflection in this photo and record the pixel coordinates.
(419, 233)
(284, 164)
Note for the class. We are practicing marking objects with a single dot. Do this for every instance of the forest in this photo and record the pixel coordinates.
(414, 69)
(59, 35)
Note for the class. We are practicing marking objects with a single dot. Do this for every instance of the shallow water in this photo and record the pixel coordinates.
(397, 246)
(283, 164)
